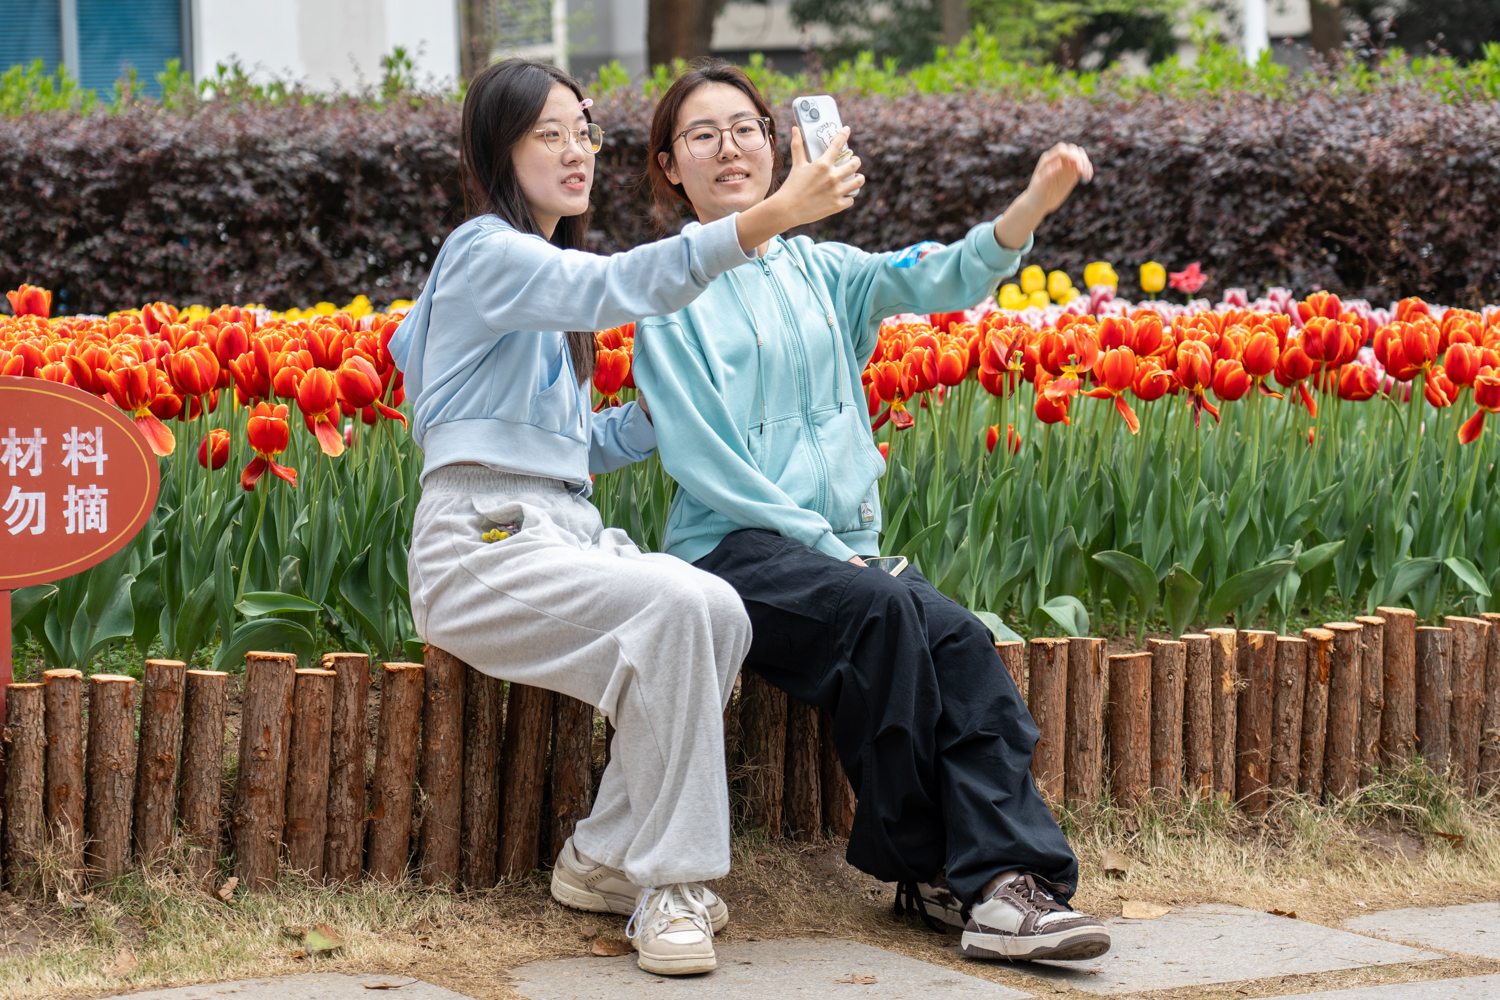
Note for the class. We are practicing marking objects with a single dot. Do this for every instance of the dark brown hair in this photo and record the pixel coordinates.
(500, 109)
(671, 197)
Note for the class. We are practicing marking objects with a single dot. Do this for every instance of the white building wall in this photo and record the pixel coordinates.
(326, 44)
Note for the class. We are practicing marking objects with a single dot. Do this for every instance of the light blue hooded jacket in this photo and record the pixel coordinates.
(756, 393)
(485, 361)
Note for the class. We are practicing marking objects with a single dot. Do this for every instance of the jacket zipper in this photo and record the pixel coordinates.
(802, 366)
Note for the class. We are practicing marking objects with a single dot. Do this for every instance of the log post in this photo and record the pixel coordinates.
(25, 744)
(527, 720)
(1470, 649)
(1398, 719)
(1256, 662)
(1341, 752)
(1198, 715)
(1130, 727)
(205, 699)
(395, 770)
(259, 812)
(803, 802)
(1048, 701)
(763, 711)
(1315, 712)
(1013, 655)
(62, 690)
(307, 771)
(442, 766)
(1168, 677)
(349, 741)
(1372, 694)
(111, 775)
(1434, 651)
(1083, 757)
(836, 793)
(1489, 731)
(484, 727)
(1286, 712)
(1222, 645)
(156, 766)
(572, 768)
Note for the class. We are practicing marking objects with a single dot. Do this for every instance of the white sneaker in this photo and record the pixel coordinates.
(1023, 921)
(602, 889)
(933, 901)
(672, 931)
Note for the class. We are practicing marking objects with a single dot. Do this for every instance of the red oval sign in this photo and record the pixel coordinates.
(77, 481)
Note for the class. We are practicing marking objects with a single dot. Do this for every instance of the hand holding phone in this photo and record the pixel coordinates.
(819, 122)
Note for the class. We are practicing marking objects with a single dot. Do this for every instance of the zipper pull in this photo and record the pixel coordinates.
(758, 341)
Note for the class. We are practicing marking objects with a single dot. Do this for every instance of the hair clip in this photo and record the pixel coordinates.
(586, 103)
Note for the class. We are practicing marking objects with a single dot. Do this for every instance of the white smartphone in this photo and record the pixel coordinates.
(818, 118)
(888, 564)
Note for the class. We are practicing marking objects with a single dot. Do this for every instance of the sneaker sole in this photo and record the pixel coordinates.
(589, 901)
(1076, 945)
(685, 966)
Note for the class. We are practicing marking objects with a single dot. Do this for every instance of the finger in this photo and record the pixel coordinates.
(849, 167)
(799, 151)
(836, 147)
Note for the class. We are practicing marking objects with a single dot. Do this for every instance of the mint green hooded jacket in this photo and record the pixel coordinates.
(755, 387)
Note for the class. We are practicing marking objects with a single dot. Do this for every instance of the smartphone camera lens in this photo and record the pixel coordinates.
(810, 110)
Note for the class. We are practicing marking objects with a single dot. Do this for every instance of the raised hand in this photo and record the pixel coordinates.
(1057, 173)
(813, 190)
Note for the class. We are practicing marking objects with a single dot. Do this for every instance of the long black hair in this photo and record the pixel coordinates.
(500, 109)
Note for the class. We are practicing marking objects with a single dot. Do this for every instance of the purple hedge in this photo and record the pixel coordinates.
(1379, 194)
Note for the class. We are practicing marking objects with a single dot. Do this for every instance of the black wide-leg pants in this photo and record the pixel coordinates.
(929, 726)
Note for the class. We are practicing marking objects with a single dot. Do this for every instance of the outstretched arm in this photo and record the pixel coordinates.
(1056, 174)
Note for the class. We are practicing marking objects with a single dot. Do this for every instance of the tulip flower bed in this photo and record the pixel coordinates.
(269, 536)
(1186, 462)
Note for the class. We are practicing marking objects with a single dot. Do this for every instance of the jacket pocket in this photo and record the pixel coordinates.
(555, 407)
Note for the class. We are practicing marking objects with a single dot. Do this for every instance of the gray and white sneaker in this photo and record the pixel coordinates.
(602, 889)
(671, 931)
(935, 902)
(1023, 920)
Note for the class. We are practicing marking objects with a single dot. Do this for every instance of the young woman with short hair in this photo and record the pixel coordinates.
(761, 419)
(510, 568)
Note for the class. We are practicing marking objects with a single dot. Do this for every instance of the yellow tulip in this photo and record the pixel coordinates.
(1033, 279)
(1153, 277)
(1069, 296)
(1039, 299)
(1058, 284)
(1011, 297)
(1100, 273)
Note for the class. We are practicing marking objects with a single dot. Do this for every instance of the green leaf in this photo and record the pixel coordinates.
(1242, 586)
(1182, 598)
(1318, 555)
(415, 650)
(271, 602)
(912, 547)
(998, 628)
(259, 633)
(25, 600)
(1139, 577)
(1469, 574)
(1406, 576)
(1069, 613)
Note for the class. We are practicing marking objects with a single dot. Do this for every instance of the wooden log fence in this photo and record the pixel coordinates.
(475, 780)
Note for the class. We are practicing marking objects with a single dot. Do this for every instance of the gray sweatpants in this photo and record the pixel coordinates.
(569, 605)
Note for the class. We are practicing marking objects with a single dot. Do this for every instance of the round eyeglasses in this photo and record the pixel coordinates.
(590, 137)
(705, 141)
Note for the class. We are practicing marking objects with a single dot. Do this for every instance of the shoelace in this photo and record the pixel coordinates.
(659, 907)
(1037, 891)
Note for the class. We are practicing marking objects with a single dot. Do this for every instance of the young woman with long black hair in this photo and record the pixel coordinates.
(511, 569)
(762, 421)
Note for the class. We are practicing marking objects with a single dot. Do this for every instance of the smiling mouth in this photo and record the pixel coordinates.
(574, 179)
(732, 176)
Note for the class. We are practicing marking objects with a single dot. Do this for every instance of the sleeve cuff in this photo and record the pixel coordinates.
(719, 247)
(830, 545)
(995, 256)
(636, 430)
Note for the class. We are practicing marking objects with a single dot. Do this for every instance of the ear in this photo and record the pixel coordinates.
(669, 167)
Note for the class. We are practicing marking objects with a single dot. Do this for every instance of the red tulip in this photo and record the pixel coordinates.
(992, 437)
(920, 365)
(1462, 362)
(229, 342)
(1357, 383)
(359, 387)
(1052, 409)
(317, 398)
(269, 435)
(219, 438)
(134, 387)
(88, 366)
(610, 370)
(952, 366)
(885, 450)
(28, 300)
(1487, 398)
(1188, 280)
(1439, 389)
(1231, 381)
(193, 371)
(1151, 382)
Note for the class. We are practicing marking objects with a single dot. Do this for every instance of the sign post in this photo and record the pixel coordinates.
(77, 483)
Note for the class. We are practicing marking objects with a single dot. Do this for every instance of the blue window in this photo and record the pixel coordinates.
(32, 30)
(115, 36)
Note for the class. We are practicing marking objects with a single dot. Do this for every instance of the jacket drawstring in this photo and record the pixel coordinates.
(760, 367)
